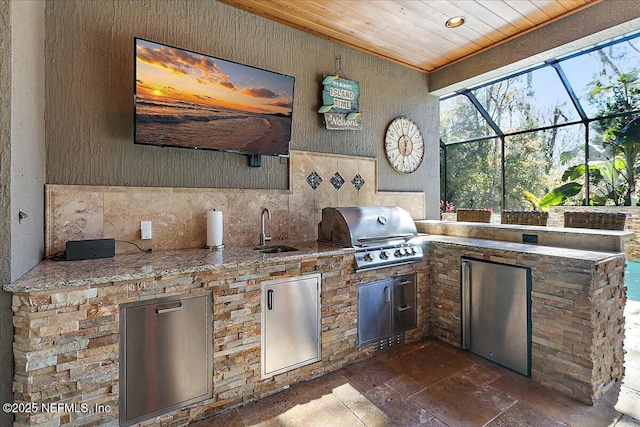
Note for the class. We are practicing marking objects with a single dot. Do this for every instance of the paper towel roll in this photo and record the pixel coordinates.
(214, 228)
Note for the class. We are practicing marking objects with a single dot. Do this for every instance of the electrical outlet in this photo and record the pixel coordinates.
(145, 230)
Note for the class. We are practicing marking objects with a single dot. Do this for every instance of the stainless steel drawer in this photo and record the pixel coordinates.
(386, 307)
(405, 317)
(404, 289)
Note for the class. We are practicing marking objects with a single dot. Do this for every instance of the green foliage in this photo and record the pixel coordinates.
(544, 168)
(532, 198)
(560, 194)
(612, 180)
(574, 172)
(613, 165)
(630, 135)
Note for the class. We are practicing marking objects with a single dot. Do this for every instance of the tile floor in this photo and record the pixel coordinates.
(430, 383)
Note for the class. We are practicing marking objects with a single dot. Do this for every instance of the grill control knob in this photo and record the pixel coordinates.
(398, 253)
(411, 251)
(384, 255)
(367, 257)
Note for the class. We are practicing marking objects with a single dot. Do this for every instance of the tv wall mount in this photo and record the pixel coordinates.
(255, 160)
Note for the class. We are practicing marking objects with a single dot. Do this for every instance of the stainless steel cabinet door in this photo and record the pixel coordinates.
(498, 313)
(374, 311)
(290, 324)
(165, 359)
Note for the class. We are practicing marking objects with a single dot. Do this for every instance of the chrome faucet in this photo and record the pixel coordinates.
(263, 237)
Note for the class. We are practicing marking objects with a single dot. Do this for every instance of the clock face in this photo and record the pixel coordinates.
(404, 145)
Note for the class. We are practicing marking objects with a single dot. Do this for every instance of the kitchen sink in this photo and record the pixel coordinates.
(274, 249)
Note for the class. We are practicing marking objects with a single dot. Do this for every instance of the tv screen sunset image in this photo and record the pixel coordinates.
(186, 99)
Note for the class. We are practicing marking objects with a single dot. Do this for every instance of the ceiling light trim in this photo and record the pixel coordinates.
(455, 22)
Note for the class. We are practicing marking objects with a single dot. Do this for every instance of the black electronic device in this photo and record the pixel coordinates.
(90, 249)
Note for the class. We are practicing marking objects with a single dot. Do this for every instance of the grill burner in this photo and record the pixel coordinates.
(382, 236)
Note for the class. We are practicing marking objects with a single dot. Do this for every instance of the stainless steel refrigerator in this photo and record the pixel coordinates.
(496, 313)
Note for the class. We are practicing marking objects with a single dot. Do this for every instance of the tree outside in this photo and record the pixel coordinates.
(539, 138)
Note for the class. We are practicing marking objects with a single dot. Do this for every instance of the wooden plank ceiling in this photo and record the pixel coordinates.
(413, 32)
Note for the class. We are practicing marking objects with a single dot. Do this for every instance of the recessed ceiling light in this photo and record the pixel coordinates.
(454, 22)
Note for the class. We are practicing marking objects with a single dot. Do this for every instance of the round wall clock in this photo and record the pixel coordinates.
(404, 145)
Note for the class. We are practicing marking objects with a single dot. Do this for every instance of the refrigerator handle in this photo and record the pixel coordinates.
(466, 304)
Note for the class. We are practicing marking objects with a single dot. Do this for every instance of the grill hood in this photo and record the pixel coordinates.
(366, 226)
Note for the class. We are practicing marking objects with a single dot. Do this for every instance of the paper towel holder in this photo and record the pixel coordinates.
(215, 248)
(212, 247)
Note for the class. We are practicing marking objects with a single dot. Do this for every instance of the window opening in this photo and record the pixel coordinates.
(553, 120)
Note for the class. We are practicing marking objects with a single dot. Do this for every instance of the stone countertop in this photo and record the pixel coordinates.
(526, 228)
(550, 251)
(562, 237)
(48, 274)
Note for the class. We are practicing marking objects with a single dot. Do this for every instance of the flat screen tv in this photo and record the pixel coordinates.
(187, 99)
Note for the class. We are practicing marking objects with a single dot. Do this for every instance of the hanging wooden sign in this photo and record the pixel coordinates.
(339, 121)
(340, 103)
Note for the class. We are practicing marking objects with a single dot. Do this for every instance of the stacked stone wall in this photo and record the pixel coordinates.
(576, 313)
(66, 343)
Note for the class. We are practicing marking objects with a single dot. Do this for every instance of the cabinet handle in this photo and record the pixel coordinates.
(169, 309)
(270, 299)
(387, 291)
(406, 282)
(405, 308)
(466, 305)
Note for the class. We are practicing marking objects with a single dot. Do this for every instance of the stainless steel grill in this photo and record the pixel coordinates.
(383, 236)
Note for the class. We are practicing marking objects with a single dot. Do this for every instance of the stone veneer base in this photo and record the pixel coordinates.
(576, 314)
(67, 333)
(66, 340)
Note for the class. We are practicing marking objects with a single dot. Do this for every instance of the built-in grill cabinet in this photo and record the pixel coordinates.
(386, 309)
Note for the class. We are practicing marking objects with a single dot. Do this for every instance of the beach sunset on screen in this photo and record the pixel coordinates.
(188, 99)
(189, 76)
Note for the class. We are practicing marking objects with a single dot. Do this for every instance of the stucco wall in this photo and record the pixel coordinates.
(90, 93)
(27, 135)
(22, 165)
(6, 326)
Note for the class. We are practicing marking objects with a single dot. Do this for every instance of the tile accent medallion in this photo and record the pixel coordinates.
(337, 181)
(314, 180)
(178, 215)
(357, 181)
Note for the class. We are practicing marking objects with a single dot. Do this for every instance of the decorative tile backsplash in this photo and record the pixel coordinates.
(178, 215)
(357, 181)
(337, 181)
(314, 180)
